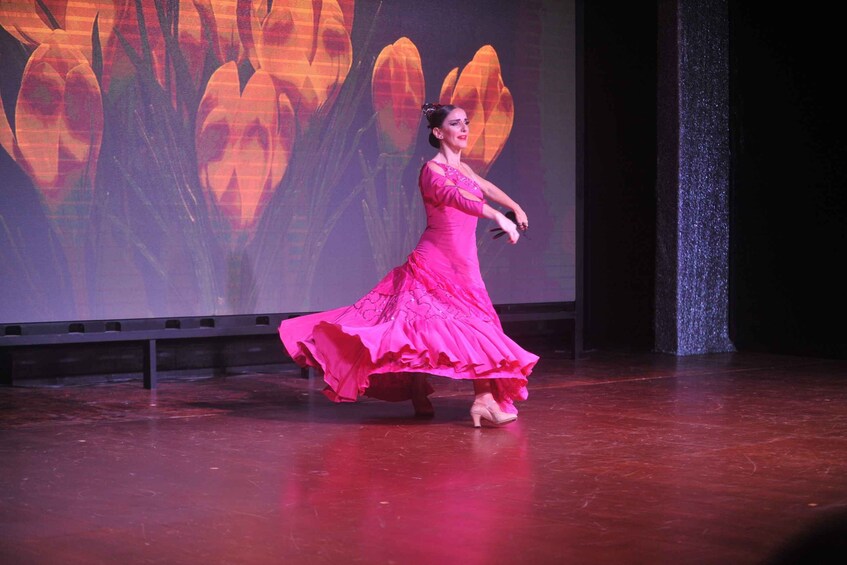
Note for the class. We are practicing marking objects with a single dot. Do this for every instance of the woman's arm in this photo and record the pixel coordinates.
(441, 190)
(495, 194)
(503, 222)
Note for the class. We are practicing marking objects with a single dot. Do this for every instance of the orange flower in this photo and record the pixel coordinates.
(480, 91)
(116, 63)
(58, 120)
(25, 21)
(243, 142)
(397, 90)
(31, 25)
(303, 44)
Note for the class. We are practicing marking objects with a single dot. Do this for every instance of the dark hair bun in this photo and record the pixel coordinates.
(429, 109)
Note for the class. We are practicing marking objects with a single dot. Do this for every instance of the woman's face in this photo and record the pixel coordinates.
(454, 129)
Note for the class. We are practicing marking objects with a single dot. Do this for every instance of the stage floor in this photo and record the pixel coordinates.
(616, 458)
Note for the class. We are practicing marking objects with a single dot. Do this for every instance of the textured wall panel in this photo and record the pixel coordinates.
(693, 178)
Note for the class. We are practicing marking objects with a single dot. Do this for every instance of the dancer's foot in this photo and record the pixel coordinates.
(420, 398)
(423, 406)
(485, 408)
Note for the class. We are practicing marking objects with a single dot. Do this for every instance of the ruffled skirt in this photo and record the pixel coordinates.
(413, 321)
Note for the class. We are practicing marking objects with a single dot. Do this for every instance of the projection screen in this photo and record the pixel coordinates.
(181, 158)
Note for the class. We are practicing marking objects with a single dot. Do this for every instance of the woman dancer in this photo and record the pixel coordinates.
(431, 315)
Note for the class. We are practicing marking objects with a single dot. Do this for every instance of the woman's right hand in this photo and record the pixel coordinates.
(509, 227)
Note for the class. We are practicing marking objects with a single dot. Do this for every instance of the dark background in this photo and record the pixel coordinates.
(788, 190)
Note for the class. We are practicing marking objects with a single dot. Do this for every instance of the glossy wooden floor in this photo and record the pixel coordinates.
(615, 458)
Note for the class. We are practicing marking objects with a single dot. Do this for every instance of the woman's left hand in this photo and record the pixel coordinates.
(522, 221)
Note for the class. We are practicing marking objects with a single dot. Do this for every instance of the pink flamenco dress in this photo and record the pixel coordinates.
(430, 315)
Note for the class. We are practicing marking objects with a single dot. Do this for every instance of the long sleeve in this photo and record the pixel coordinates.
(442, 191)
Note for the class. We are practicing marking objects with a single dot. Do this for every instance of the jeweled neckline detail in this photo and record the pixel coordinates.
(460, 172)
(447, 165)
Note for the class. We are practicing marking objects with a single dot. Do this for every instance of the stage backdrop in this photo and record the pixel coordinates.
(186, 158)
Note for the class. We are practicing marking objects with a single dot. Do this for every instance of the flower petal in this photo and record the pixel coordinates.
(216, 136)
(498, 127)
(257, 115)
(480, 91)
(397, 90)
(36, 121)
(448, 86)
(347, 8)
(242, 143)
(306, 48)
(7, 138)
(83, 119)
(24, 22)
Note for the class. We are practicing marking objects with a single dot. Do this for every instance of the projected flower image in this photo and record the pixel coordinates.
(479, 89)
(173, 58)
(304, 45)
(58, 121)
(398, 93)
(29, 23)
(243, 143)
(209, 147)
